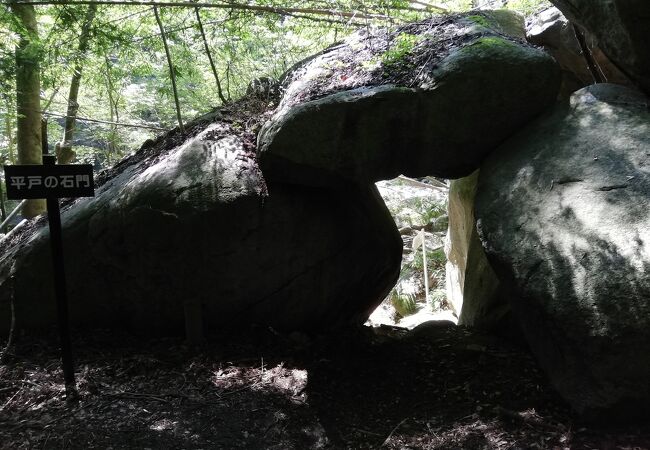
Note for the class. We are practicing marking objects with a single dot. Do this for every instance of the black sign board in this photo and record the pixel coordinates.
(49, 181)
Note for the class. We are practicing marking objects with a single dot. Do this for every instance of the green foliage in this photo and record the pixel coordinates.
(85, 154)
(480, 20)
(528, 7)
(125, 77)
(456, 5)
(403, 44)
(429, 209)
(438, 298)
(492, 41)
(436, 260)
(413, 269)
(404, 304)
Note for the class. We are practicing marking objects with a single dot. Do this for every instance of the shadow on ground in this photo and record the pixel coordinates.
(442, 387)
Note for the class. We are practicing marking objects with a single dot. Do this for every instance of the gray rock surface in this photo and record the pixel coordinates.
(472, 286)
(431, 98)
(556, 34)
(621, 27)
(563, 215)
(193, 228)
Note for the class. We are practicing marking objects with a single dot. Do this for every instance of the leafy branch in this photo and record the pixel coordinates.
(232, 6)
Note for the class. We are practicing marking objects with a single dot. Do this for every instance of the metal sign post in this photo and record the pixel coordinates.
(52, 182)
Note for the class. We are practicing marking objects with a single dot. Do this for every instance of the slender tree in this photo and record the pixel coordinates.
(64, 152)
(207, 51)
(28, 100)
(9, 130)
(172, 72)
(113, 103)
(3, 212)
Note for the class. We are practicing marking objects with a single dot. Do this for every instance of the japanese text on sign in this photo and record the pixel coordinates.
(53, 181)
(65, 181)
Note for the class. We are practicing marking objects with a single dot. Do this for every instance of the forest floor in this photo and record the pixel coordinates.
(436, 387)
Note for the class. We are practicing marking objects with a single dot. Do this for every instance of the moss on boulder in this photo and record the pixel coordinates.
(448, 94)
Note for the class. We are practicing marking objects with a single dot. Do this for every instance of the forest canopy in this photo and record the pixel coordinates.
(107, 78)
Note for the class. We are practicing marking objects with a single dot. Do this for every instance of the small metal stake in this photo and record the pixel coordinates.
(420, 240)
(424, 263)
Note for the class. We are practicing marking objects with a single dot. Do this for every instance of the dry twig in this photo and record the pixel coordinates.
(393, 432)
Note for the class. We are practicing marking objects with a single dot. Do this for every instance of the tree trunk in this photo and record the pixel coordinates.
(3, 212)
(172, 74)
(65, 154)
(228, 80)
(207, 51)
(28, 100)
(9, 133)
(112, 145)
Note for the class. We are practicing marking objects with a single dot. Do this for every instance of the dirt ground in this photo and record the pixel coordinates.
(437, 387)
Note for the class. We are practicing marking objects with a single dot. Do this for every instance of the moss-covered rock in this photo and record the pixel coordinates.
(505, 21)
(429, 98)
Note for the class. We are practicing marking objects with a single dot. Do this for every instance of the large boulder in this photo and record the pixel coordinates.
(190, 231)
(562, 210)
(429, 98)
(552, 30)
(473, 288)
(621, 27)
